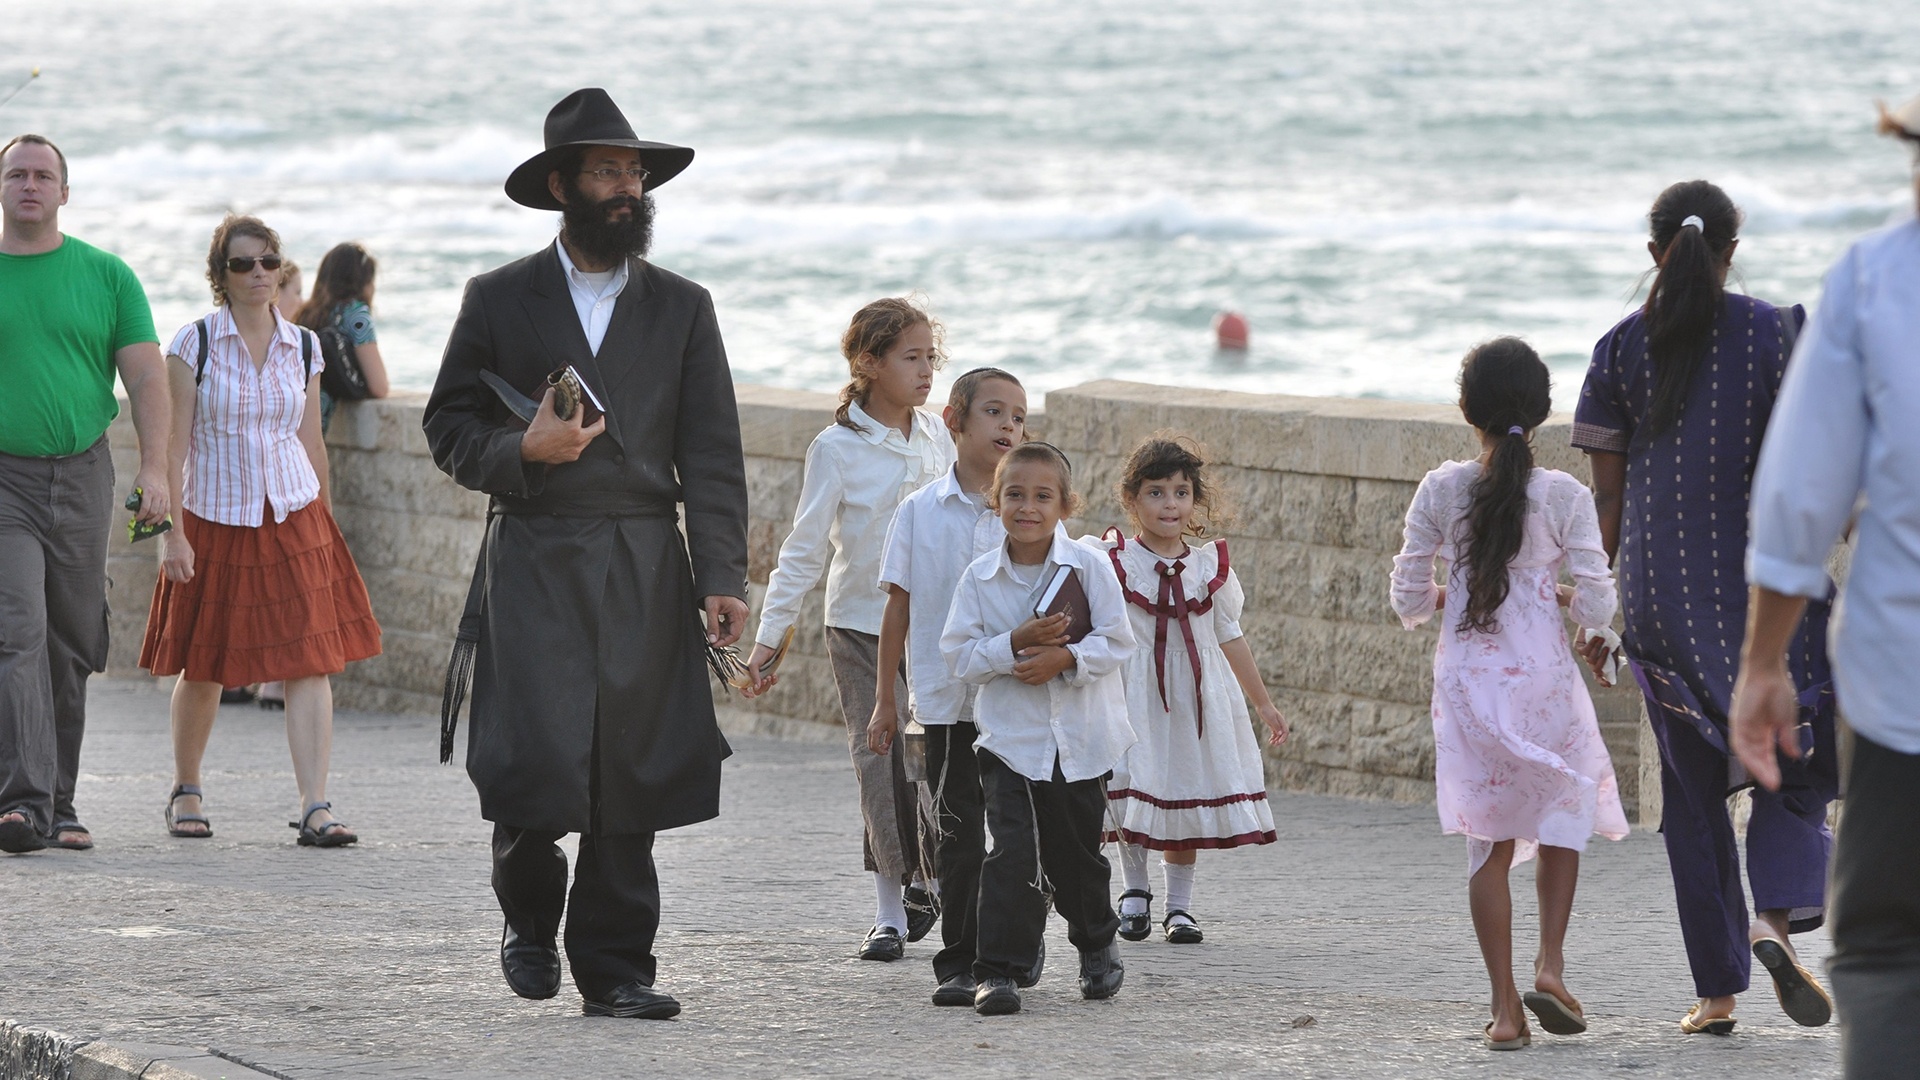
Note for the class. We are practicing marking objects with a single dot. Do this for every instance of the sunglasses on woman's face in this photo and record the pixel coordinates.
(240, 264)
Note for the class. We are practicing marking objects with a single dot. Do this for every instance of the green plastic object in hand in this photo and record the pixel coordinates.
(137, 532)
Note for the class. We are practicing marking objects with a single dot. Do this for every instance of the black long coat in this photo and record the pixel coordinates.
(591, 604)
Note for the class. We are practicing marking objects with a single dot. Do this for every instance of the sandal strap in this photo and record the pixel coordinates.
(308, 816)
(1136, 894)
(1176, 913)
(186, 789)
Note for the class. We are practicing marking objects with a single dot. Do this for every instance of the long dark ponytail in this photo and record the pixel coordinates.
(1688, 292)
(1506, 393)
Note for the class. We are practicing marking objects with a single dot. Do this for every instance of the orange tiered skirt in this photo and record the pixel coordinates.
(281, 601)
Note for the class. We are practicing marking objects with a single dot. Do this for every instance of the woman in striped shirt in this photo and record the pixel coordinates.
(256, 583)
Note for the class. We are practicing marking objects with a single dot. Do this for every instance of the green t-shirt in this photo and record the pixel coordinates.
(63, 315)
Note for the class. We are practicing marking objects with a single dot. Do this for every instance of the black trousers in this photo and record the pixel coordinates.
(612, 913)
(1876, 913)
(960, 825)
(1052, 827)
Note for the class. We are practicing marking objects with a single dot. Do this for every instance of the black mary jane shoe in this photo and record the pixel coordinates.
(1101, 973)
(997, 996)
(633, 1001)
(1136, 927)
(532, 969)
(1185, 932)
(955, 990)
(882, 943)
(923, 911)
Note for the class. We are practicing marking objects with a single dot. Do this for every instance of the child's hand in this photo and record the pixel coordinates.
(1042, 663)
(757, 683)
(1563, 594)
(881, 728)
(1036, 632)
(1277, 729)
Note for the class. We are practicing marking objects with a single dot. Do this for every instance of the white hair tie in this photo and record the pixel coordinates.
(1693, 220)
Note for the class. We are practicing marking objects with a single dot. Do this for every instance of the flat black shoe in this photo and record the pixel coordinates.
(1028, 980)
(633, 1001)
(1101, 973)
(532, 969)
(1182, 933)
(1136, 927)
(923, 911)
(955, 990)
(20, 837)
(996, 997)
(882, 943)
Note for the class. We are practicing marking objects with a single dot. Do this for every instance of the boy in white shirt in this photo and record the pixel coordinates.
(937, 531)
(1052, 721)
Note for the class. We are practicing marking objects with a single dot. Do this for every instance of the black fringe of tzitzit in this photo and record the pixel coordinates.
(454, 695)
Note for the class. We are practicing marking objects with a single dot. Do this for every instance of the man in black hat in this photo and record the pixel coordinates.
(592, 713)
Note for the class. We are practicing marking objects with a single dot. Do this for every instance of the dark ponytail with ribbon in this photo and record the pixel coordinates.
(1694, 225)
(1506, 393)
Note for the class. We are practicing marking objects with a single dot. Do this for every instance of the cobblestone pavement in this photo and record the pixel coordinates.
(381, 960)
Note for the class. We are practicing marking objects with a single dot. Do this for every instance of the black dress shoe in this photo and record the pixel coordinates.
(1182, 929)
(532, 969)
(955, 990)
(997, 996)
(923, 911)
(1136, 927)
(1101, 973)
(635, 1000)
(882, 943)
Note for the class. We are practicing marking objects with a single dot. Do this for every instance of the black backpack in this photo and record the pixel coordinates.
(306, 356)
(341, 379)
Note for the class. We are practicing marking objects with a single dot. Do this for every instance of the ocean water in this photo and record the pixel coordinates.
(1075, 188)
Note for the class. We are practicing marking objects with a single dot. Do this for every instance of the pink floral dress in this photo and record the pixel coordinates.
(1517, 749)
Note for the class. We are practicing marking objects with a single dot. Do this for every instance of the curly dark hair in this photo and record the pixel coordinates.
(231, 228)
(1165, 454)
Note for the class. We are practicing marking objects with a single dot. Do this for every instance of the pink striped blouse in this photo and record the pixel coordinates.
(245, 451)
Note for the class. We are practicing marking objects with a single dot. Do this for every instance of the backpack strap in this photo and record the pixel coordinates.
(200, 366)
(306, 356)
(1790, 319)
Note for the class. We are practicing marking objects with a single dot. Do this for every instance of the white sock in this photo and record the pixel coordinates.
(932, 885)
(888, 907)
(1179, 885)
(1133, 869)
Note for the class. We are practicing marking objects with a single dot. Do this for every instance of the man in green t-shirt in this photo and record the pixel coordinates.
(70, 316)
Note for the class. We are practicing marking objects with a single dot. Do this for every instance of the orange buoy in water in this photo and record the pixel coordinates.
(1230, 330)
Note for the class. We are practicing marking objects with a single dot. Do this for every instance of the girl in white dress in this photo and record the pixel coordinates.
(1195, 779)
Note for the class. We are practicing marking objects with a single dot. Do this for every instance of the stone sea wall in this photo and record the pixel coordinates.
(1318, 487)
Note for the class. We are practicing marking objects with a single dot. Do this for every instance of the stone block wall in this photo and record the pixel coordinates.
(1319, 487)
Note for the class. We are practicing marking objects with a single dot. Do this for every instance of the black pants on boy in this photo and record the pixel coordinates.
(1052, 826)
(960, 826)
(612, 914)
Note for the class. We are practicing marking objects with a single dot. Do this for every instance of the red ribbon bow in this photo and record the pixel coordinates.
(1173, 605)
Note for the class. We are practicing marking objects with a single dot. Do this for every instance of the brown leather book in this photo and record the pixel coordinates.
(1064, 592)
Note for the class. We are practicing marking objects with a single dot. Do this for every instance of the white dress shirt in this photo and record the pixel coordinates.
(244, 452)
(1846, 425)
(937, 532)
(1080, 716)
(592, 300)
(854, 480)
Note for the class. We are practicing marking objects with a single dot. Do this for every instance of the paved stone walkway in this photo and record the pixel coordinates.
(380, 960)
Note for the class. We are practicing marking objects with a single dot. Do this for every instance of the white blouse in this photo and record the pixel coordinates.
(244, 451)
(854, 481)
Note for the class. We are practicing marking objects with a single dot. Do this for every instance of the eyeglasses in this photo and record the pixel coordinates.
(612, 176)
(242, 264)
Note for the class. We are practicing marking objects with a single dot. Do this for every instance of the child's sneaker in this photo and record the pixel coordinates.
(1101, 973)
(997, 996)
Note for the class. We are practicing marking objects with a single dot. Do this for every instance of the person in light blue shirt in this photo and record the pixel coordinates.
(1845, 444)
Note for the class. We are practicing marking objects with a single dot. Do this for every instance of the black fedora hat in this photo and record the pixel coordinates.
(589, 118)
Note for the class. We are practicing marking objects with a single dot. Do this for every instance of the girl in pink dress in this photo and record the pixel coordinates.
(1519, 764)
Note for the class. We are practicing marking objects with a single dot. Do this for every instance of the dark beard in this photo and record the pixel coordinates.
(590, 229)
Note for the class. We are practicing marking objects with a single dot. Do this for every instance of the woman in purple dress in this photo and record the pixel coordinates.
(1671, 417)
